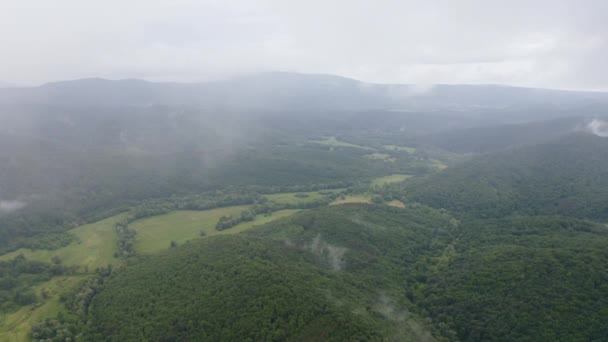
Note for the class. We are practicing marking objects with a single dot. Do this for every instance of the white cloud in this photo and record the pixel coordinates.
(536, 43)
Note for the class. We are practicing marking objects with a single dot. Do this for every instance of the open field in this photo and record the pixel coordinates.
(381, 156)
(437, 164)
(380, 181)
(291, 198)
(332, 141)
(353, 199)
(16, 326)
(258, 221)
(400, 148)
(94, 247)
(156, 233)
(396, 203)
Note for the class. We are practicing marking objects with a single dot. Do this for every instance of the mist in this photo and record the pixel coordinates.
(544, 44)
(303, 170)
(598, 127)
(11, 205)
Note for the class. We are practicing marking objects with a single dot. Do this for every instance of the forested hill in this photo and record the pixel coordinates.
(366, 272)
(486, 139)
(332, 274)
(566, 176)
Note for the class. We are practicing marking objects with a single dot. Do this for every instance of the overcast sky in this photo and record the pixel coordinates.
(544, 43)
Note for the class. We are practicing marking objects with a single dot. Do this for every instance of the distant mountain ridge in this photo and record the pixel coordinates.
(280, 90)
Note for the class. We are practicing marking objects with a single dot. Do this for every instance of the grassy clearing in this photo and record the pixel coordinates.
(437, 164)
(381, 156)
(380, 181)
(94, 247)
(396, 148)
(396, 203)
(291, 198)
(16, 326)
(155, 233)
(332, 141)
(258, 221)
(353, 199)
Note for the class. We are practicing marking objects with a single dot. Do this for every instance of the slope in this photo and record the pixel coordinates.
(335, 273)
(565, 176)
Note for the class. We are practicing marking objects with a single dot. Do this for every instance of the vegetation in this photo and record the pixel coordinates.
(245, 289)
(349, 199)
(17, 325)
(562, 177)
(380, 181)
(93, 246)
(333, 142)
(522, 279)
(155, 233)
(123, 223)
(321, 274)
(17, 278)
(410, 150)
(295, 198)
(381, 156)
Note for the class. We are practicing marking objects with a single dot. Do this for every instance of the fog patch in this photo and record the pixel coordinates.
(598, 127)
(11, 205)
(358, 220)
(402, 92)
(408, 327)
(332, 254)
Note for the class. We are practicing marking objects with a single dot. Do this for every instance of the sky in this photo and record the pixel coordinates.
(539, 43)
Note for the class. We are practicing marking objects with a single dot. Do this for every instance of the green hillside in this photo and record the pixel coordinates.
(566, 177)
(155, 233)
(334, 273)
(523, 279)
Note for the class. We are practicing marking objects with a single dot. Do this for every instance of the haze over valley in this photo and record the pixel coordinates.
(205, 171)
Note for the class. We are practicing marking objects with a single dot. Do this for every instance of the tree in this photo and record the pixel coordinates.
(377, 199)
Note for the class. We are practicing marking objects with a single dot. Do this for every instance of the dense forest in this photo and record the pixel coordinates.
(328, 274)
(566, 177)
(524, 278)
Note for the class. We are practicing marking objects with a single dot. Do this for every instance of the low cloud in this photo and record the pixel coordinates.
(543, 43)
(9, 206)
(333, 255)
(598, 127)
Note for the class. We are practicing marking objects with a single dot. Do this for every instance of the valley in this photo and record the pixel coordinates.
(171, 222)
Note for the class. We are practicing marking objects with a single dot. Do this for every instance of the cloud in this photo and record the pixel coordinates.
(8, 206)
(598, 127)
(544, 43)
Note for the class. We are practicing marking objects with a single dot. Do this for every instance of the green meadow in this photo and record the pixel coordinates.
(16, 326)
(400, 148)
(361, 198)
(94, 247)
(333, 142)
(380, 181)
(381, 156)
(156, 233)
(293, 198)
